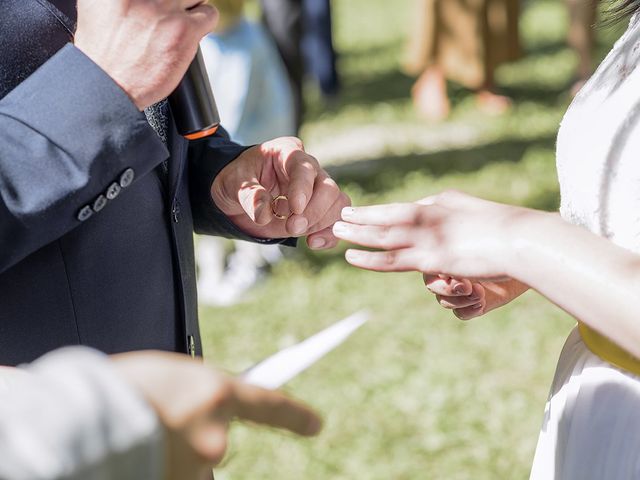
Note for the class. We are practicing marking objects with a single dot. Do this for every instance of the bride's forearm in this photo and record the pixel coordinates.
(588, 276)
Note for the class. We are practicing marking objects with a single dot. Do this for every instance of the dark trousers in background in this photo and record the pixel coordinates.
(302, 31)
(317, 45)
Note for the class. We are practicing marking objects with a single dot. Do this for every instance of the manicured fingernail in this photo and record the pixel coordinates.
(352, 255)
(318, 242)
(347, 212)
(477, 306)
(459, 289)
(340, 228)
(299, 225)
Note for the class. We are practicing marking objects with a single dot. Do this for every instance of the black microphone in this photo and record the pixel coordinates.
(192, 103)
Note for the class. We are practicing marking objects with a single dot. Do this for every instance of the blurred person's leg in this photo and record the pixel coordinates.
(429, 92)
(463, 42)
(283, 19)
(581, 37)
(317, 45)
(501, 44)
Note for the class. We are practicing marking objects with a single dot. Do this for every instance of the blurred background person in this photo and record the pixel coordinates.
(243, 62)
(302, 30)
(463, 42)
(581, 37)
(317, 46)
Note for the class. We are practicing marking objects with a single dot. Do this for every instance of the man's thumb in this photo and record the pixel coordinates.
(256, 202)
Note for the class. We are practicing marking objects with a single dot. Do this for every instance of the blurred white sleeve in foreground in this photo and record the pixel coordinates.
(70, 416)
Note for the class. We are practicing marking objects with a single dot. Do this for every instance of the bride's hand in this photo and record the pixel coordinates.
(469, 299)
(450, 233)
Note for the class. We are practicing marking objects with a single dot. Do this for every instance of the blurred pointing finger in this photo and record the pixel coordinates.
(274, 409)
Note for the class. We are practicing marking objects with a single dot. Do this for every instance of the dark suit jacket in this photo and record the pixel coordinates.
(96, 244)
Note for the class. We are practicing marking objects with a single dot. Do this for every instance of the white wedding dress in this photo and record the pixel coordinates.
(591, 428)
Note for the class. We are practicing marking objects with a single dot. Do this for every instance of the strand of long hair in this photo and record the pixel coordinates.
(617, 10)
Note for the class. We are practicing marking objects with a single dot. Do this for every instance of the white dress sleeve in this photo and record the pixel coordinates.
(70, 416)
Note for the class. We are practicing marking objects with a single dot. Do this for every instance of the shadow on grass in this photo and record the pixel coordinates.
(382, 174)
(392, 85)
(547, 96)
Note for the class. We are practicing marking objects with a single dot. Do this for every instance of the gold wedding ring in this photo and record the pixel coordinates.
(274, 207)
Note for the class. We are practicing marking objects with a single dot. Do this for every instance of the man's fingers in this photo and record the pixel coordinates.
(274, 409)
(403, 260)
(330, 214)
(322, 240)
(302, 172)
(256, 202)
(203, 19)
(322, 211)
(297, 225)
(188, 4)
(325, 195)
(383, 237)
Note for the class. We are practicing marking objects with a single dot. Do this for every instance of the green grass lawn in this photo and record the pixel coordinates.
(415, 394)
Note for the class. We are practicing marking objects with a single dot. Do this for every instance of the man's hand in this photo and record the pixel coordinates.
(195, 404)
(144, 45)
(245, 188)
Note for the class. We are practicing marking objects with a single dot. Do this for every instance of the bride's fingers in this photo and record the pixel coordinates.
(391, 214)
(403, 260)
(395, 214)
(454, 303)
(476, 309)
(447, 286)
(477, 296)
(383, 237)
(468, 313)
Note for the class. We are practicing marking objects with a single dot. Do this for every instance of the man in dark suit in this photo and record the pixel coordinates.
(99, 201)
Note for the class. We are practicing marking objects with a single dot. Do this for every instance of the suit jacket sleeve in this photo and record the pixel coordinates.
(69, 415)
(208, 158)
(67, 133)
